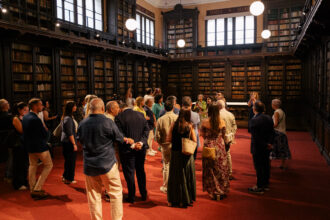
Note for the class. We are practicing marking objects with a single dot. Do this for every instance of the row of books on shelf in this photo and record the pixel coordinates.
(44, 87)
(275, 87)
(254, 73)
(21, 47)
(275, 81)
(17, 87)
(293, 87)
(26, 77)
(22, 68)
(67, 61)
(81, 62)
(42, 59)
(98, 72)
(19, 56)
(99, 79)
(43, 69)
(80, 71)
(82, 78)
(67, 78)
(43, 77)
(240, 74)
(254, 78)
(99, 85)
(68, 93)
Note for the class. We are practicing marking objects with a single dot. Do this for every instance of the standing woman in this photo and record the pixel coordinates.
(281, 148)
(215, 170)
(201, 107)
(181, 190)
(129, 100)
(47, 117)
(20, 154)
(158, 106)
(69, 142)
(254, 96)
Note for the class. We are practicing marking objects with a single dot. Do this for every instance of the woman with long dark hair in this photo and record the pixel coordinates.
(215, 169)
(20, 154)
(69, 142)
(181, 189)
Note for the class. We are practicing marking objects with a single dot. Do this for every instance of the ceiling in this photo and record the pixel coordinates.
(172, 3)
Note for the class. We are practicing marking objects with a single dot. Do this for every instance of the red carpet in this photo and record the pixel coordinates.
(302, 192)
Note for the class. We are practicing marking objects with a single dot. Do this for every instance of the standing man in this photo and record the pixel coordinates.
(231, 129)
(97, 134)
(151, 123)
(133, 125)
(112, 110)
(262, 132)
(176, 110)
(35, 138)
(195, 120)
(163, 127)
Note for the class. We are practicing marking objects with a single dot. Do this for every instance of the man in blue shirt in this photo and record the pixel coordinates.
(35, 137)
(97, 134)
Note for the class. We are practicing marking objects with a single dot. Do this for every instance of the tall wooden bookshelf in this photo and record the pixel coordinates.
(155, 75)
(275, 79)
(142, 78)
(204, 80)
(293, 79)
(82, 78)
(109, 77)
(125, 11)
(43, 73)
(22, 72)
(238, 80)
(125, 76)
(186, 80)
(31, 72)
(253, 77)
(218, 73)
(67, 76)
(180, 23)
(99, 76)
(282, 22)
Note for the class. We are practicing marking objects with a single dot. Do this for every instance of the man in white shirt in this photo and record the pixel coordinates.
(163, 128)
(231, 129)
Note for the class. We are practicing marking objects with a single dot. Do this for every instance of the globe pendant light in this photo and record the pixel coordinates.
(257, 8)
(265, 34)
(181, 43)
(131, 24)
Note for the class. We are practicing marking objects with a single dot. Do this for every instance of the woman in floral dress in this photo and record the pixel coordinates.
(215, 172)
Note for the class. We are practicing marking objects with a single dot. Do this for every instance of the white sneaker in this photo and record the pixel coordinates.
(163, 189)
(153, 151)
(150, 153)
(22, 188)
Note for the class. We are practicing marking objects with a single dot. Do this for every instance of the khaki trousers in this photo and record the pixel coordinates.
(48, 165)
(166, 157)
(150, 139)
(229, 162)
(111, 182)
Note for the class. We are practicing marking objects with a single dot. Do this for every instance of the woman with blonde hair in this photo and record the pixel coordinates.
(88, 104)
(254, 96)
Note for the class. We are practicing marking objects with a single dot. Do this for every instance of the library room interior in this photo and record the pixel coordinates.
(164, 109)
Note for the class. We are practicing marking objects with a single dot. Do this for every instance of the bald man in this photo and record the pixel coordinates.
(97, 134)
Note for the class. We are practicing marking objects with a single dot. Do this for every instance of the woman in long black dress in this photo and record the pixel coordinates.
(181, 189)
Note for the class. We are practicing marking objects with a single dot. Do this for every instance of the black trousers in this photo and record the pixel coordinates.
(262, 166)
(20, 167)
(134, 162)
(69, 161)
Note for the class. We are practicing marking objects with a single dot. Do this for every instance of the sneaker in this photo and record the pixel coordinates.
(266, 188)
(163, 189)
(150, 153)
(70, 182)
(39, 194)
(153, 151)
(22, 188)
(256, 190)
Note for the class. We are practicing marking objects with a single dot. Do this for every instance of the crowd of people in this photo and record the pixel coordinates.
(120, 134)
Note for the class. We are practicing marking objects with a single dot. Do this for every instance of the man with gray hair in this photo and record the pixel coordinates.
(231, 129)
(112, 110)
(194, 118)
(97, 135)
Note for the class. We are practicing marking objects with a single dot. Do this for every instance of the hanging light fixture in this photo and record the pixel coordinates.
(131, 24)
(4, 10)
(265, 34)
(181, 43)
(257, 8)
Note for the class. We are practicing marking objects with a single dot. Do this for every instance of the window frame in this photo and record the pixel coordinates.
(233, 32)
(84, 14)
(142, 39)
